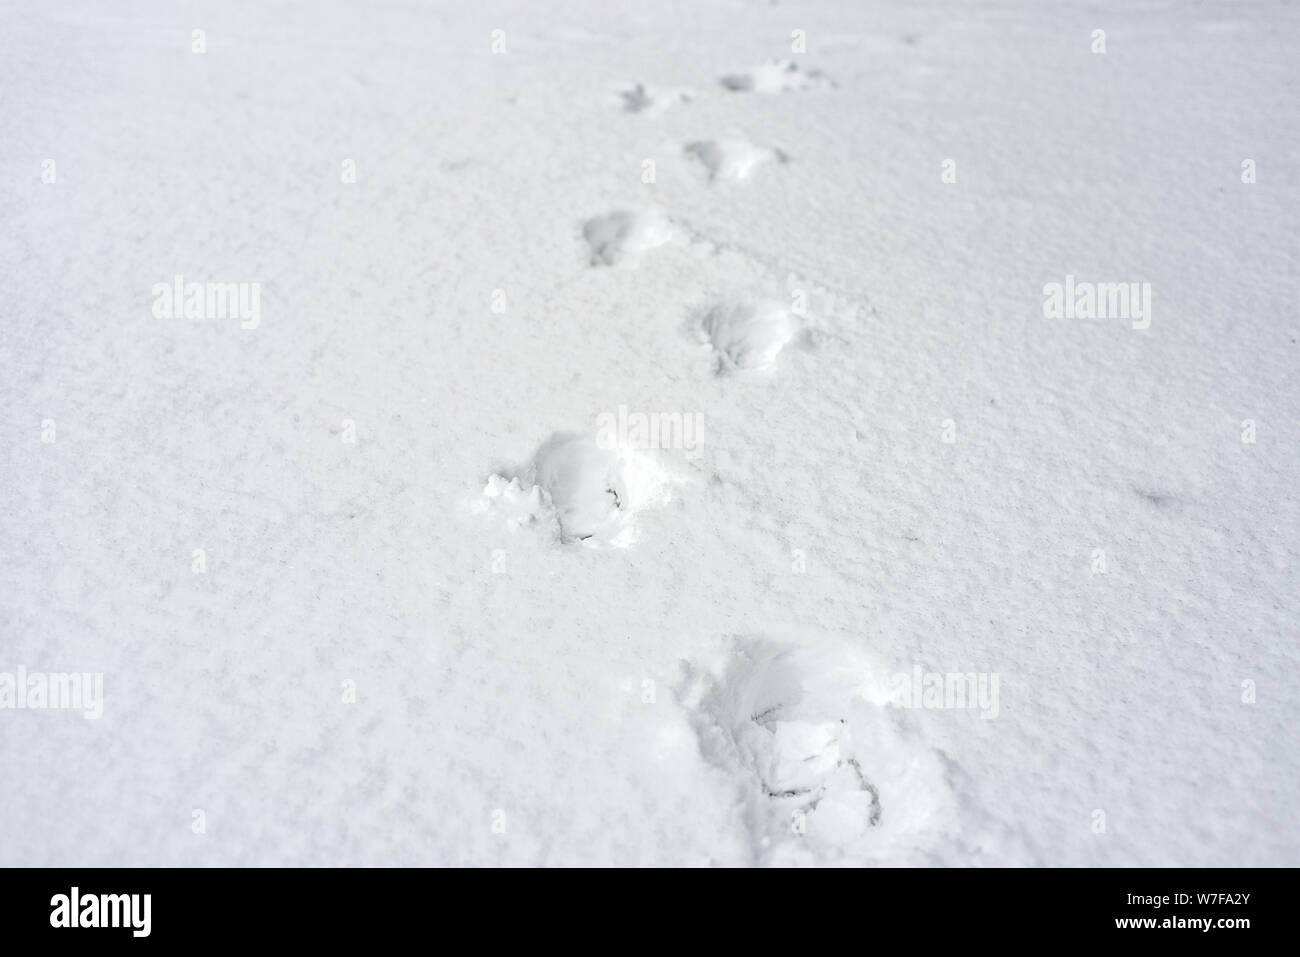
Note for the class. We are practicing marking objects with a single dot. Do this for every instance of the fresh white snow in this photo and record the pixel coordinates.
(364, 585)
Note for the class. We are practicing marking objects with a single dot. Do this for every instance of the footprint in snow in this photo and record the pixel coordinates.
(814, 747)
(745, 335)
(643, 99)
(774, 76)
(590, 492)
(732, 159)
(624, 236)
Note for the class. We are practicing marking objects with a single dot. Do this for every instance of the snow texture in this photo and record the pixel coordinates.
(363, 587)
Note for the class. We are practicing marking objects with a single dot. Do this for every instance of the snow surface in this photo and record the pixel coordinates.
(406, 640)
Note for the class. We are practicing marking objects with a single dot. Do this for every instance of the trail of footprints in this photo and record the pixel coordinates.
(589, 494)
(811, 755)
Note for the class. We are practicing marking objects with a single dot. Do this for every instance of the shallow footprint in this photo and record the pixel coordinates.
(732, 159)
(624, 236)
(643, 99)
(774, 76)
(747, 335)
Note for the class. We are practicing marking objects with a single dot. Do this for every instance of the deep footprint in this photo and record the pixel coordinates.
(584, 483)
(591, 493)
(818, 762)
